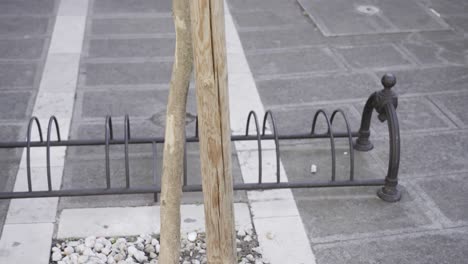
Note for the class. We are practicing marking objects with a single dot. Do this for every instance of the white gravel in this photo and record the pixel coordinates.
(145, 249)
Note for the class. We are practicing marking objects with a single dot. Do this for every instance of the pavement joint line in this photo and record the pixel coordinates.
(457, 229)
(131, 15)
(128, 60)
(453, 119)
(67, 38)
(378, 234)
(298, 250)
(131, 36)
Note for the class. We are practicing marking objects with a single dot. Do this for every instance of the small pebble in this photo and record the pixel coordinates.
(90, 241)
(56, 256)
(192, 236)
(241, 233)
(313, 168)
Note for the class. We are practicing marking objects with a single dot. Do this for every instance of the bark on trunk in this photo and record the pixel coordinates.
(171, 188)
(214, 129)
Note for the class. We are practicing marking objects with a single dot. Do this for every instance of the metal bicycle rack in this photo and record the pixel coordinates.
(384, 102)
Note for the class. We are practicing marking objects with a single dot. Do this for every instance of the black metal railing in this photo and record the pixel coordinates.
(384, 102)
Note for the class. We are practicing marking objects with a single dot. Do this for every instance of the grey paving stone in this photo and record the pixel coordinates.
(452, 51)
(144, 47)
(425, 53)
(373, 56)
(127, 73)
(422, 248)
(455, 106)
(270, 18)
(436, 154)
(21, 48)
(423, 80)
(450, 7)
(263, 5)
(341, 218)
(452, 203)
(23, 26)
(132, 6)
(315, 89)
(133, 103)
(394, 16)
(134, 25)
(91, 174)
(14, 105)
(298, 157)
(9, 7)
(414, 114)
(296, 61)
(16, 74)
(11, 132)
(299, 119)
(281, 38)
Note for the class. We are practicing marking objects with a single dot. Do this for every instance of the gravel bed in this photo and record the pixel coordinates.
(145, 249)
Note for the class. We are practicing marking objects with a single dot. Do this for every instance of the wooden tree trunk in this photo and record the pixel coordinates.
(209, 46)
(173, 161)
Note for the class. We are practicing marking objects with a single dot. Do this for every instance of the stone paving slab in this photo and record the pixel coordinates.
(141, 47)
(133, 103)
(430, 247)
(131, 6)
(292, 61)
(127, 73)
(381, 56)
(17, 74)
(21, 48)
(454, 105)
(298, 158)
(14, 105)
(288, 17)
(371, 17)
(27, 7)
(131, 221)
(37, 250)
(430, 153)
(334, 218)
(434, 52)
(134, 25)
(23, 26)
(281, 38)
(431, 79)
(315, 89)
(453, 204)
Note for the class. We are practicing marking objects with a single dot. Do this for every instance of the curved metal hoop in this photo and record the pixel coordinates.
(109, 135)
(332, 139)
(196, 126)
(52, 121)
(350, 141)
(126, 139)
(28, 148)
(259, 142)
(269, 113)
